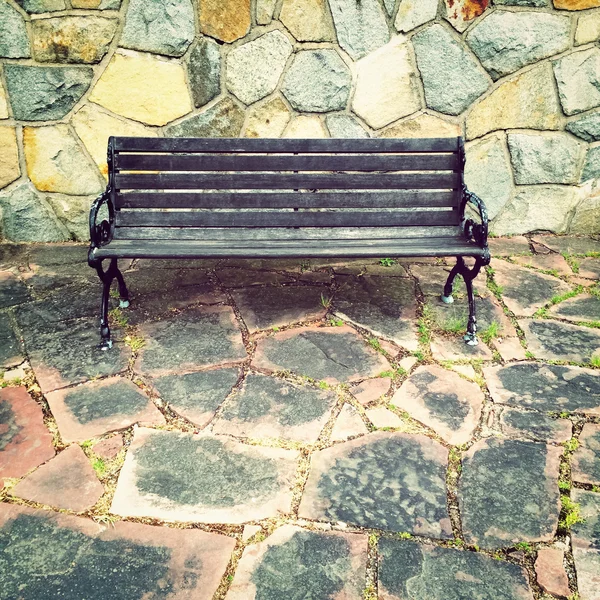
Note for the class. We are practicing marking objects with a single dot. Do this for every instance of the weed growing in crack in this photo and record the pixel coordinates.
(325, 301)
(387, 262)
(572, 514)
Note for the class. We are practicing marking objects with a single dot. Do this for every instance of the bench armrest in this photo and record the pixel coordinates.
(474, 232)
(101, 233)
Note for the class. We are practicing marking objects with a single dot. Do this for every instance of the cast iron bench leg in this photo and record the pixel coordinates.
(107, 277)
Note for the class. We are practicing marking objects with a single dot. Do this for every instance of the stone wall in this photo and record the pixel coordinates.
(520, 79)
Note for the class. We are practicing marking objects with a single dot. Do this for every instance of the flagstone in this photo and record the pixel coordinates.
(511, 246)
(25, 443)
(321, 565)
(443, 401)
(250, 531)
(198, 337)
(109, 448)
(332, 354)
(585, 462)
(535, 426)
(545, 262)
(550, 572)
(213, 479)
(455, 348)
(371, 389)
(348, 425)
(232, 277)
(492, 518)
(425, 572)
(54, 555)
(66, 481)
(100, 407)
(586, 533)
(585, 307)
(409, 472)
(545, 388)
(383, 418)
(587, 564)
(589, 268)
(279, 306)
(12, 290)
(568, 244)
(197, 396)
(386, 307)
(553, 340)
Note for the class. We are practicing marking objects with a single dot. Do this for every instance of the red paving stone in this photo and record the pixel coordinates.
(24, 440)
(371, 389)
(109, 448)
(551, 573)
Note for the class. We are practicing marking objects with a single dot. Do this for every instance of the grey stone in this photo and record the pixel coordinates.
(386, 306)
(426, 572)
(264, 11)
(232, 277)
(12, 290)
(547, 158)
(159, 26)
(204, 71)
(587, 564)
(452, 78)
(212, 479)
(73, 212)
(586, 533)
(506, 41)
(26, 217)
(408, 472)
(585, 307)
(492, 518)
(534, 426)
(554, 340)
(271, 408)
(586, 127)
(271, 306)
(14, 42)
(577, 79)
(361, 26)
(224, 119)
(591, 169)
(197, 396)
(585, 462)
(389, 6)
(42, 6)
(254, 68)
(413, 13)
(568, 244)
(345, 126)
(10, 349)
(45, 93)
(533, 3)
(333, 354)
(545, 387)
(488, 173)
(317, 81)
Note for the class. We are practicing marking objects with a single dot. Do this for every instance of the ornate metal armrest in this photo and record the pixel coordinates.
(101, 233)
(475, 232)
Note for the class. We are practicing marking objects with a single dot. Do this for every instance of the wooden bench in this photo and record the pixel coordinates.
(286, 198)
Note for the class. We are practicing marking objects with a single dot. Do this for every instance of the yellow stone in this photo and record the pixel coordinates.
(307, 20)
(588, 28)
(3, 103)
(86, 3)
(226, 20)
(94, 126)
(57, 163)
(144, 88)
(305, 126)
(9, 156)
(576, 4)
(268, 120)
(421, 126)
(526, 101)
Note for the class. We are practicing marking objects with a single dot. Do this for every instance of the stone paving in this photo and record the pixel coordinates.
(296, 429)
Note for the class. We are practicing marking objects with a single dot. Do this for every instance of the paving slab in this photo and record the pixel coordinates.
(443, 401)
(383, 418)
(568, 244)
(545, 262)
(279, 306)
(348, 425)
(360, 268)
(12, 290)
(99, 407)
(109, 447)
(510, 349)
(69, 354)
(492, 518)
(431, 278)
(25, 443)
(553, 340)
(524, 291)
(535, 426)
(267, 407)
(585, 462)
(585, 307)
(589, 268)
(385, 306)
(11, 354)
(293, 562)
(587, 565)
(13, 255)
(239, 278)
(371, 389)
(212, 479)
(199, 337)
(408, 472)
(424, 572)
(509, 246)
(544, 387)
(331, 354)
(550, 572)
(455, 348)
(67, 481)
(586, 544)
(54, 555)
(197, 396)
(146, 281)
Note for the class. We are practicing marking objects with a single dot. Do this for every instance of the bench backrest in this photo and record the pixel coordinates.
(191, 184)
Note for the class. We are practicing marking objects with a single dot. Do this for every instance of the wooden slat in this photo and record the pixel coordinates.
(237, 181)
(263, 218)
(288, 249)
(137, 144)
(396, 199)
(268, 234)
(335, 162)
